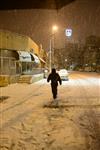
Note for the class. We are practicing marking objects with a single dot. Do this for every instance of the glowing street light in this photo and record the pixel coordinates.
(54, 28)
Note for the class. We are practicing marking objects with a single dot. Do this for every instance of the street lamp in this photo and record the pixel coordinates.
(54, 30)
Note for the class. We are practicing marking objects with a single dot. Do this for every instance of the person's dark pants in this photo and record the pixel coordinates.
(54, 90)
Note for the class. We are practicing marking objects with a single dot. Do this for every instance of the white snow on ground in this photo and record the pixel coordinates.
(85, 82)
(31, 120)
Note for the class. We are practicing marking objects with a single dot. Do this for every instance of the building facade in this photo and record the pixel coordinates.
(19, 54)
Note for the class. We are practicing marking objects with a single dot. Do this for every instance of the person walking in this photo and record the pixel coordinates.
(55, 78)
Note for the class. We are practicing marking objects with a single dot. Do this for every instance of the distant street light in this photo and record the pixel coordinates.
(65, 62)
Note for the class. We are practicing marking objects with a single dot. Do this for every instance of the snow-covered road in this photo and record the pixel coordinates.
(29, 120)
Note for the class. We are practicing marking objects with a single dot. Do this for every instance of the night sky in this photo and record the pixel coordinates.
(82, 16)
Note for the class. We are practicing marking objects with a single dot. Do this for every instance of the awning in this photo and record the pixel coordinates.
(24, 56)
(35, 58)
(42, 60)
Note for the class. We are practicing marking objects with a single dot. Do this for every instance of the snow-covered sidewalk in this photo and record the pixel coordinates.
(30, 120)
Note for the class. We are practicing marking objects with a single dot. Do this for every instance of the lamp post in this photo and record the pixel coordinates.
(54, 30)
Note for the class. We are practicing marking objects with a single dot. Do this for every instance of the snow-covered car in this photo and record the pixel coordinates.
(63, 74)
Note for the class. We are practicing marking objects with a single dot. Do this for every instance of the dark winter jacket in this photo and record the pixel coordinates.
(54, 77)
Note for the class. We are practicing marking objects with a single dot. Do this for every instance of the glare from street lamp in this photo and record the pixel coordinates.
(54, 28)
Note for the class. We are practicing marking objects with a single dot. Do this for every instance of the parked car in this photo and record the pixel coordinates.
(63, 74)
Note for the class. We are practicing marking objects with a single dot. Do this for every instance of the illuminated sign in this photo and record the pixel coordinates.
(68, 32)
